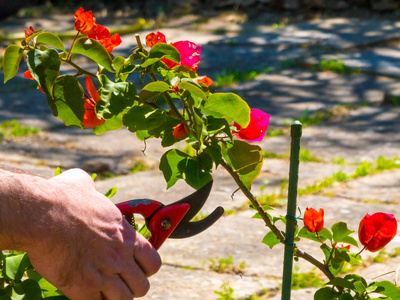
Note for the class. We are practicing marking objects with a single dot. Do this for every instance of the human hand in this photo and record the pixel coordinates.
(90, 251)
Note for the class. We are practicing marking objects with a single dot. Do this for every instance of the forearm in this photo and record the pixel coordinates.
(25, 204)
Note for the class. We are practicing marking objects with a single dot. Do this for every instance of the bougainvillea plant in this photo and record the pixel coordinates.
(175, 104)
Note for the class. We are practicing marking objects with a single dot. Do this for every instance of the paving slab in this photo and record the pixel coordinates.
(178, 283)
(330, 33)
(380, 61)
(383, 187)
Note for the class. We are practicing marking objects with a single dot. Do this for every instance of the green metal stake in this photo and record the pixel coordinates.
(295, 133)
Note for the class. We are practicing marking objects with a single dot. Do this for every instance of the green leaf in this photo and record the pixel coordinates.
(26, 290)
(115, 97)
(44, 67)
(57, 171)
(166, 131)
(162, 50)
(346, 297)
(50, 39)
(49, 291)
(229, 106)
(270, 239)
(218, 125)
(5, 294)
(194, 174)
(111, 192)
(359, 287)
(33, 35)
(115, 123)
(324, 234)
(67, 103)
(214, 150)
(12, 58)
(15, 265)
(342, 282)
(171, 164)
(143, 117)
(176, 165)
(246, 159)
(196, 93)
(341, 234)
(153, 89)
(325, 293)
(95, 51)
(386, 288)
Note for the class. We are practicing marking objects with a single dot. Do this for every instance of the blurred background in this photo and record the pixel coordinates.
(161, 8)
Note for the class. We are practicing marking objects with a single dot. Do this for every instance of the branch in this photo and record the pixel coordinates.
(324, 268)
(82, 71)
(168, 99)
(270, 225)
(253, 201)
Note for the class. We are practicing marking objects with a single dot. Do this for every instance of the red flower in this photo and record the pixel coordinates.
(204, 79)
(313, 220)
(257, 127)
(155, 38)
(342, 246)
(90, 118)
(85, 23)
(102, 35)
(31, 30)
(180, 131)
(377, 230)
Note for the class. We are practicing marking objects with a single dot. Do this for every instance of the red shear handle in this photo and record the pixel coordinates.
(161, 220)
(164, 222)
(144, 207)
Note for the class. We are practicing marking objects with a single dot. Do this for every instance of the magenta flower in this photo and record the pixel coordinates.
(257, 127)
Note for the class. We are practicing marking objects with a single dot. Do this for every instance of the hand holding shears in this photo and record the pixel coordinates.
(173, 220)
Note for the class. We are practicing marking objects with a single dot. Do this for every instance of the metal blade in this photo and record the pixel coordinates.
(196, 201)
(188, 229)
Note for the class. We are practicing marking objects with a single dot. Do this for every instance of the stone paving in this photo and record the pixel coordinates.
(359, 128)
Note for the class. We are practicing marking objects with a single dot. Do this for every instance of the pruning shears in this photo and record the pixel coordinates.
(173, 220)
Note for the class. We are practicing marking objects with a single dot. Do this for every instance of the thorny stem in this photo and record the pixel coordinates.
(298, 252)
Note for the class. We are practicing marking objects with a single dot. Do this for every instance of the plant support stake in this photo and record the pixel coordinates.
(295, 133)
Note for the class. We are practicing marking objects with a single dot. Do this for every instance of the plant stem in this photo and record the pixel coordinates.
(253, 201)
(298, 252)
(315, 262)
(174, 110)
(73, 42)
(78, 68)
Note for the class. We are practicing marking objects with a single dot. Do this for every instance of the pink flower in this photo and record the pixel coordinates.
(189, 51)
(257, 127)
(102, 35)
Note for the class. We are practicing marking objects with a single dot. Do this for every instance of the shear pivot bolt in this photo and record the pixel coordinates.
(166, 223)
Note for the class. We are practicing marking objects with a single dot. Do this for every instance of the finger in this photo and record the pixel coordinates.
(116, 289)
(146, 256)
(135, 279)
